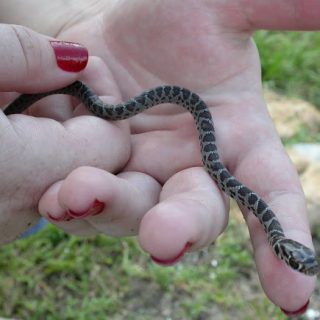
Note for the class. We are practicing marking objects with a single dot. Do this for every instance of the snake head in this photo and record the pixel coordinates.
(298, 256)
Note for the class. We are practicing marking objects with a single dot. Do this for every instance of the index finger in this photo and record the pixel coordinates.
(262, 164)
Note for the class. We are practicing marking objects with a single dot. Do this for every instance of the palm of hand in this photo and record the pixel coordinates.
(220, 66)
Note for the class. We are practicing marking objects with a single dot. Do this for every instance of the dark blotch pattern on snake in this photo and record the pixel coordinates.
(295, 254)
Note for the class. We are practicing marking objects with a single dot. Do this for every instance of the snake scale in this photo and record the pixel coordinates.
(295, 254)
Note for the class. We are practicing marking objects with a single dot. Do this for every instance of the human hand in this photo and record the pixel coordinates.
(36, 152)
(207, 48)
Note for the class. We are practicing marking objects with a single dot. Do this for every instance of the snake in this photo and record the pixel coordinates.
(296, 255)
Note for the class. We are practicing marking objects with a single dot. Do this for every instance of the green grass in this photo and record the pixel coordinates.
(52, 275)
(291, 66)
(290, 63)
(56, 276)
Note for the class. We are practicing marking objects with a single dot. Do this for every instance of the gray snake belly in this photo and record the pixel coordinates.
(295, 254)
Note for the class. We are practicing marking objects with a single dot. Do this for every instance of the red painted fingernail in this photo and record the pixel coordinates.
(64, 217)
(299, 312)
(96, 208)
(72, 57)
(174, 260)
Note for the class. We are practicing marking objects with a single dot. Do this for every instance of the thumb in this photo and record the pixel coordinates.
(31, 61)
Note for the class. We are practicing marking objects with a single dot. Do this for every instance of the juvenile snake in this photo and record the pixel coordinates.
(295, 254)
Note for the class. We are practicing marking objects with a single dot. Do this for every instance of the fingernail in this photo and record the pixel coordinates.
(96, 208)
(64, 217)
(71, 57)
(299, 312)
(174, 260)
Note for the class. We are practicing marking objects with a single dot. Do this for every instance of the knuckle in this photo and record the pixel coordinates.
(29, 50)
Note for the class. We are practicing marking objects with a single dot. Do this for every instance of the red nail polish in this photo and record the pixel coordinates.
(64, 217)
(174, 260)
(70, 56)
(299, 312)
(96, 208)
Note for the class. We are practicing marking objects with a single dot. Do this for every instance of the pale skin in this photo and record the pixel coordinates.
(151, 180)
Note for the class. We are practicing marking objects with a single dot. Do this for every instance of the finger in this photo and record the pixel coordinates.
(273, 15)
(36, 152)
(108, 204)
(260, 162)
(50, 208)
(287, 201)
(191, 214)
(30, 61)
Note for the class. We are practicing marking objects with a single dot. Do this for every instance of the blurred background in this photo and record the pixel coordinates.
(51, 275)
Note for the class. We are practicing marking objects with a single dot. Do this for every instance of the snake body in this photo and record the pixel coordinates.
(294, 254)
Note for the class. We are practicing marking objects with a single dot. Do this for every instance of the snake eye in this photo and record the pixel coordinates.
(294, 265)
